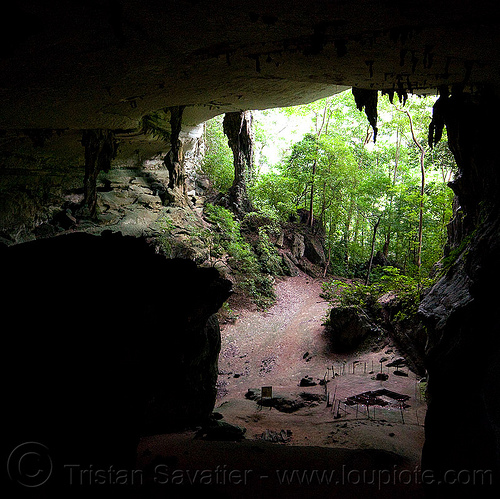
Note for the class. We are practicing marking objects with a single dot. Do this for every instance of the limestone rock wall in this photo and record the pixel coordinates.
(42, 185)
(461, 311)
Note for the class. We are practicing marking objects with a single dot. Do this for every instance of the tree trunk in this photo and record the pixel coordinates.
(238, 129)
(327, 264)
(422, 189)
(375, 227)
(387, 241)
(418, 258)
(310, 220)
(421, 213)
(100, 149)
(319, 131)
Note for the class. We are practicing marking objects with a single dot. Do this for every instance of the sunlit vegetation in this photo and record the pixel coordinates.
(368, 196)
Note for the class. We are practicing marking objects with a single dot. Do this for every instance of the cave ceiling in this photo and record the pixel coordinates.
(105, 64)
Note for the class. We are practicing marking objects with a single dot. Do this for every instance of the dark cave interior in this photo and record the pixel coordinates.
(87, 345)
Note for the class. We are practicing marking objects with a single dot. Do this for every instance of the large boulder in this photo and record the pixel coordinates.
(298, 245)
(291, 268)
(349, 326)
(314, 250)
(99, 331)
(407, 331)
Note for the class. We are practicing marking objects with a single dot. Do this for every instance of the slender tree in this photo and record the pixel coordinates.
(319, 130)
(372, 250)
(422, 189)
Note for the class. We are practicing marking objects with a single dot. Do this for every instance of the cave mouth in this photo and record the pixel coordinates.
(90, 72)
(248, 362)
(103, 260)
(95, 258)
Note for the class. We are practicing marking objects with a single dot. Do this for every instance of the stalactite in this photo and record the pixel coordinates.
(173, 160)
(367, 100)
(436, 125)
(390, 94)
(401, 91)
(238, 129)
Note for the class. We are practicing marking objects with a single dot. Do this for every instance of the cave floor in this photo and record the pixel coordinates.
(278, 348)
(269, 349)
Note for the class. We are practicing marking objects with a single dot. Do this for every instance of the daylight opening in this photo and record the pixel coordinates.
(343, 235)
(203, 286)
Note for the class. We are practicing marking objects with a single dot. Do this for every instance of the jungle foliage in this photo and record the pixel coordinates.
(390, 197)
(253, 261)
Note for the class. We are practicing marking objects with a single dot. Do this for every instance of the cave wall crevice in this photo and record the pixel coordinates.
(100, 150)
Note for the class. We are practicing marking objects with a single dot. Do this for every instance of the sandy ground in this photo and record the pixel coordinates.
(268, 349)
(278, 348)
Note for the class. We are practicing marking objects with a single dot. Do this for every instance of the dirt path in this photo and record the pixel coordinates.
(269, 348)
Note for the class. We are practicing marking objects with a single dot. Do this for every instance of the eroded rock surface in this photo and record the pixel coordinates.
(105, 65)
(349, 326)
(461, 311)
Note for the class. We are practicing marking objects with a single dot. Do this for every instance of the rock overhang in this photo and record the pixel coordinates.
(106, 64)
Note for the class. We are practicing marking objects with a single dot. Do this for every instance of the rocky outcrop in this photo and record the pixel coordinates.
(104, 339)
(298, 245)
(290, 266)
(314, 250)
(349, 326)
(406, 330)
(380, 319)
(221, 431)
(174, 159)
(302, 247)
(287, 403)
(463, 324)
(189, 393)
